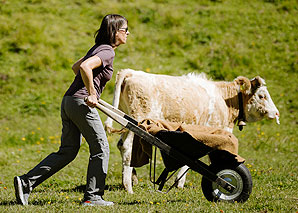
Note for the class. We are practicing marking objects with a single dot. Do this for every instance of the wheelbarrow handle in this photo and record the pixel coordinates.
(114, 113)
(114, 109)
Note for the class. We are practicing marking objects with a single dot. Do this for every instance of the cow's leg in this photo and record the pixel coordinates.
(134, 177)
(181, 182)
(125, 147)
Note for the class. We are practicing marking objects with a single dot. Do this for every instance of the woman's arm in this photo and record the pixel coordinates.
(76, 66)
(86, 68)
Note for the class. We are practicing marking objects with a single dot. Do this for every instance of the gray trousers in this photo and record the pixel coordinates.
(77, 119)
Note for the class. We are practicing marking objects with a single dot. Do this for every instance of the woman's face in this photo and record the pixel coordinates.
(121, 35)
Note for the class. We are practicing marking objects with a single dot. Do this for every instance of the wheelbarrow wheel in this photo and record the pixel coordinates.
(239, 176)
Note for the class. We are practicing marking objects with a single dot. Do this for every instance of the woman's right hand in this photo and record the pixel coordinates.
(91, 101)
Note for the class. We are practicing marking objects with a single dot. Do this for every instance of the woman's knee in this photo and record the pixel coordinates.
(69, 153)
(100, 146)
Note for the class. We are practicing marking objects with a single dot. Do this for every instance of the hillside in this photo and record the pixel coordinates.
(40, 40)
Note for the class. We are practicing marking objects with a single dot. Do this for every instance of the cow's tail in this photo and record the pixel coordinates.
(116, 99)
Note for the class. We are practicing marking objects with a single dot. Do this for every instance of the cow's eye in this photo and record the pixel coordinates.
(261, 96)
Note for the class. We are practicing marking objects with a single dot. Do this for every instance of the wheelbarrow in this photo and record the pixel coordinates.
(223, 180)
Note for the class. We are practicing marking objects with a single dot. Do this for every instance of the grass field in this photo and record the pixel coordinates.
(40, 40)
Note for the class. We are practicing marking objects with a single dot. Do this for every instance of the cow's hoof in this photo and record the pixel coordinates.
(130, 191)
(179, 185)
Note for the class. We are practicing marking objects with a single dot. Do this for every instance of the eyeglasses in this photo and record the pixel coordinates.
(124, 29)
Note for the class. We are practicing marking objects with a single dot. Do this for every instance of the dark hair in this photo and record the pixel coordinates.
(109, 26)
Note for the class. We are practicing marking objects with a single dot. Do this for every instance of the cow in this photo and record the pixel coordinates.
(190, 98)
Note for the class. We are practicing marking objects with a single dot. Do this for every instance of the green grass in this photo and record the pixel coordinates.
(40, 40)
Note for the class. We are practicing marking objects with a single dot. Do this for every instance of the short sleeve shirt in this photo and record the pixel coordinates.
(101, 75)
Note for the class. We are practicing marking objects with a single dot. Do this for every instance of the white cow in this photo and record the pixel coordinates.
(192, 99)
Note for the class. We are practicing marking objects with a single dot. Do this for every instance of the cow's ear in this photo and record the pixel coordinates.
(244, 84)
(257, 82)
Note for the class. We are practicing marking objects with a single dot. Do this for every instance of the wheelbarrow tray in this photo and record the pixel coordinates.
(194, 149)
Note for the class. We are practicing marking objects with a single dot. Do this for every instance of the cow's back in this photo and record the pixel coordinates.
(190, 99)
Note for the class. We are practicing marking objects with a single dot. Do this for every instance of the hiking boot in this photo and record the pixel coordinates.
(21, 191)
(97, 202)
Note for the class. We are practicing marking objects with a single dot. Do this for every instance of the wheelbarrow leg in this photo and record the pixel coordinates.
(162, 179)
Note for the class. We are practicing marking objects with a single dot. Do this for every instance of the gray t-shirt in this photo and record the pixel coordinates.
(101, 75)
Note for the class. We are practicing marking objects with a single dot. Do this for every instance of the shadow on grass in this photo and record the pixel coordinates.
(138, 202)
(35, 202)
(8, 203)
(81, 188)
(44, 202)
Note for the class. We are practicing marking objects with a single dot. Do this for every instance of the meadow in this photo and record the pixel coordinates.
(41, 39)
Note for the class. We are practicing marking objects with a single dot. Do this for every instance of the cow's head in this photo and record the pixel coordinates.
(257, 100)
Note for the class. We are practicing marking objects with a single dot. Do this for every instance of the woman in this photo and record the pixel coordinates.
(82, 119)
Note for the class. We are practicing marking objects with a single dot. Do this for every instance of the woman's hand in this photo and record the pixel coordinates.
(91, 101)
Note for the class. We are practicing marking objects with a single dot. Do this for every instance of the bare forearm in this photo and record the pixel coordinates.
(86, 68)
(87, 77)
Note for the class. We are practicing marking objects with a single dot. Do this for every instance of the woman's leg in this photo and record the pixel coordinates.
(92, 129)
(98, 161)
(70, 145)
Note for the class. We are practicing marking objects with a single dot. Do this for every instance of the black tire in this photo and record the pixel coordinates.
(239, 176)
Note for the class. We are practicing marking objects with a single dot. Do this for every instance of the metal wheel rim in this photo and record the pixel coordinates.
(232, 177)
